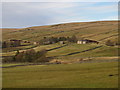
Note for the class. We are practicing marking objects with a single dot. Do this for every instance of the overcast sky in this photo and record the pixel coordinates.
(22, 14)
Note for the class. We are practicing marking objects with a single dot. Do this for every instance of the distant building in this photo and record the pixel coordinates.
(81, 42)
(36, 43)
(46, 42)
(15, 42)
(62, 42)
(85, 41)
(25, 41)
(11, 43)
(4, 44)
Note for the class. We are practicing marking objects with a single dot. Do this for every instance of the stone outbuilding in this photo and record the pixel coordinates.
(62, 42)
(36, 43)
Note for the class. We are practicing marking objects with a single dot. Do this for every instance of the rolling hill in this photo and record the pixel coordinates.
(100, 72)
(99, 30)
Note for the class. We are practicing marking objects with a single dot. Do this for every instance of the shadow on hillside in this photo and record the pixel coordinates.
(56, 48)
(80, 51)
(83, 51)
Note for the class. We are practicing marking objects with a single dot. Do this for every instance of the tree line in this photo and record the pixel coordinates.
(28, 56)
(11, 43)
(51, 40)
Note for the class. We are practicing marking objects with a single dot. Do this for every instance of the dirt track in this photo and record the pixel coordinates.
(87, 61)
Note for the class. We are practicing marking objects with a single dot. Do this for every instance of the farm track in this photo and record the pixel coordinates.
(98, 61)
(92, 61)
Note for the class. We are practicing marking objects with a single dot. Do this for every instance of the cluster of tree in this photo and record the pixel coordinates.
(0, 44)
(28, 56)
(72, 39)
(6, 44)
(112, 43)
(51, 40)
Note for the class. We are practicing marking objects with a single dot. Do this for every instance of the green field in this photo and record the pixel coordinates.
(65, 75)
(91, 30)
(85, 75)
(71, 48)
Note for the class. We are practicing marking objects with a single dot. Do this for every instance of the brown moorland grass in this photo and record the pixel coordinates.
(81, 29)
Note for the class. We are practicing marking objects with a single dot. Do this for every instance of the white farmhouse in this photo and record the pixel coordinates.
(81, 42)
(85, 41)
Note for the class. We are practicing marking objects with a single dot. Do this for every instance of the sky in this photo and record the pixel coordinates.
(27, 14)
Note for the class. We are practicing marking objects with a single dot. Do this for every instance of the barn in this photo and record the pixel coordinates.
(85, 41)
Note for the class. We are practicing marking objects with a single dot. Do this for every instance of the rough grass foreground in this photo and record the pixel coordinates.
(84, 75)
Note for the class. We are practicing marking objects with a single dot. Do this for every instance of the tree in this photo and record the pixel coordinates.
(68, 39)
(4, 44)
(41, 56)
(117, 42)
(19, 57)
(30, 56)
(73, 39)
(14, 57)
(53, 39)
(62, 38)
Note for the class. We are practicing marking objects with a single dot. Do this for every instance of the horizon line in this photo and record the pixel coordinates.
(53, 24)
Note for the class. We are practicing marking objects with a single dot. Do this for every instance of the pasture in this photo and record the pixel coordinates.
(79, 51)
(84, 75)
(65, 75)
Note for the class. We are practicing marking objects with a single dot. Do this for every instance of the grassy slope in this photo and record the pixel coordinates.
(99, 52)
(83, 29)
(90, 30)
(70, 49)
(73, 75)
(85, 75)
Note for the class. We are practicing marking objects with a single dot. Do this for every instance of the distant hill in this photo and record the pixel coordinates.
(98, 30)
